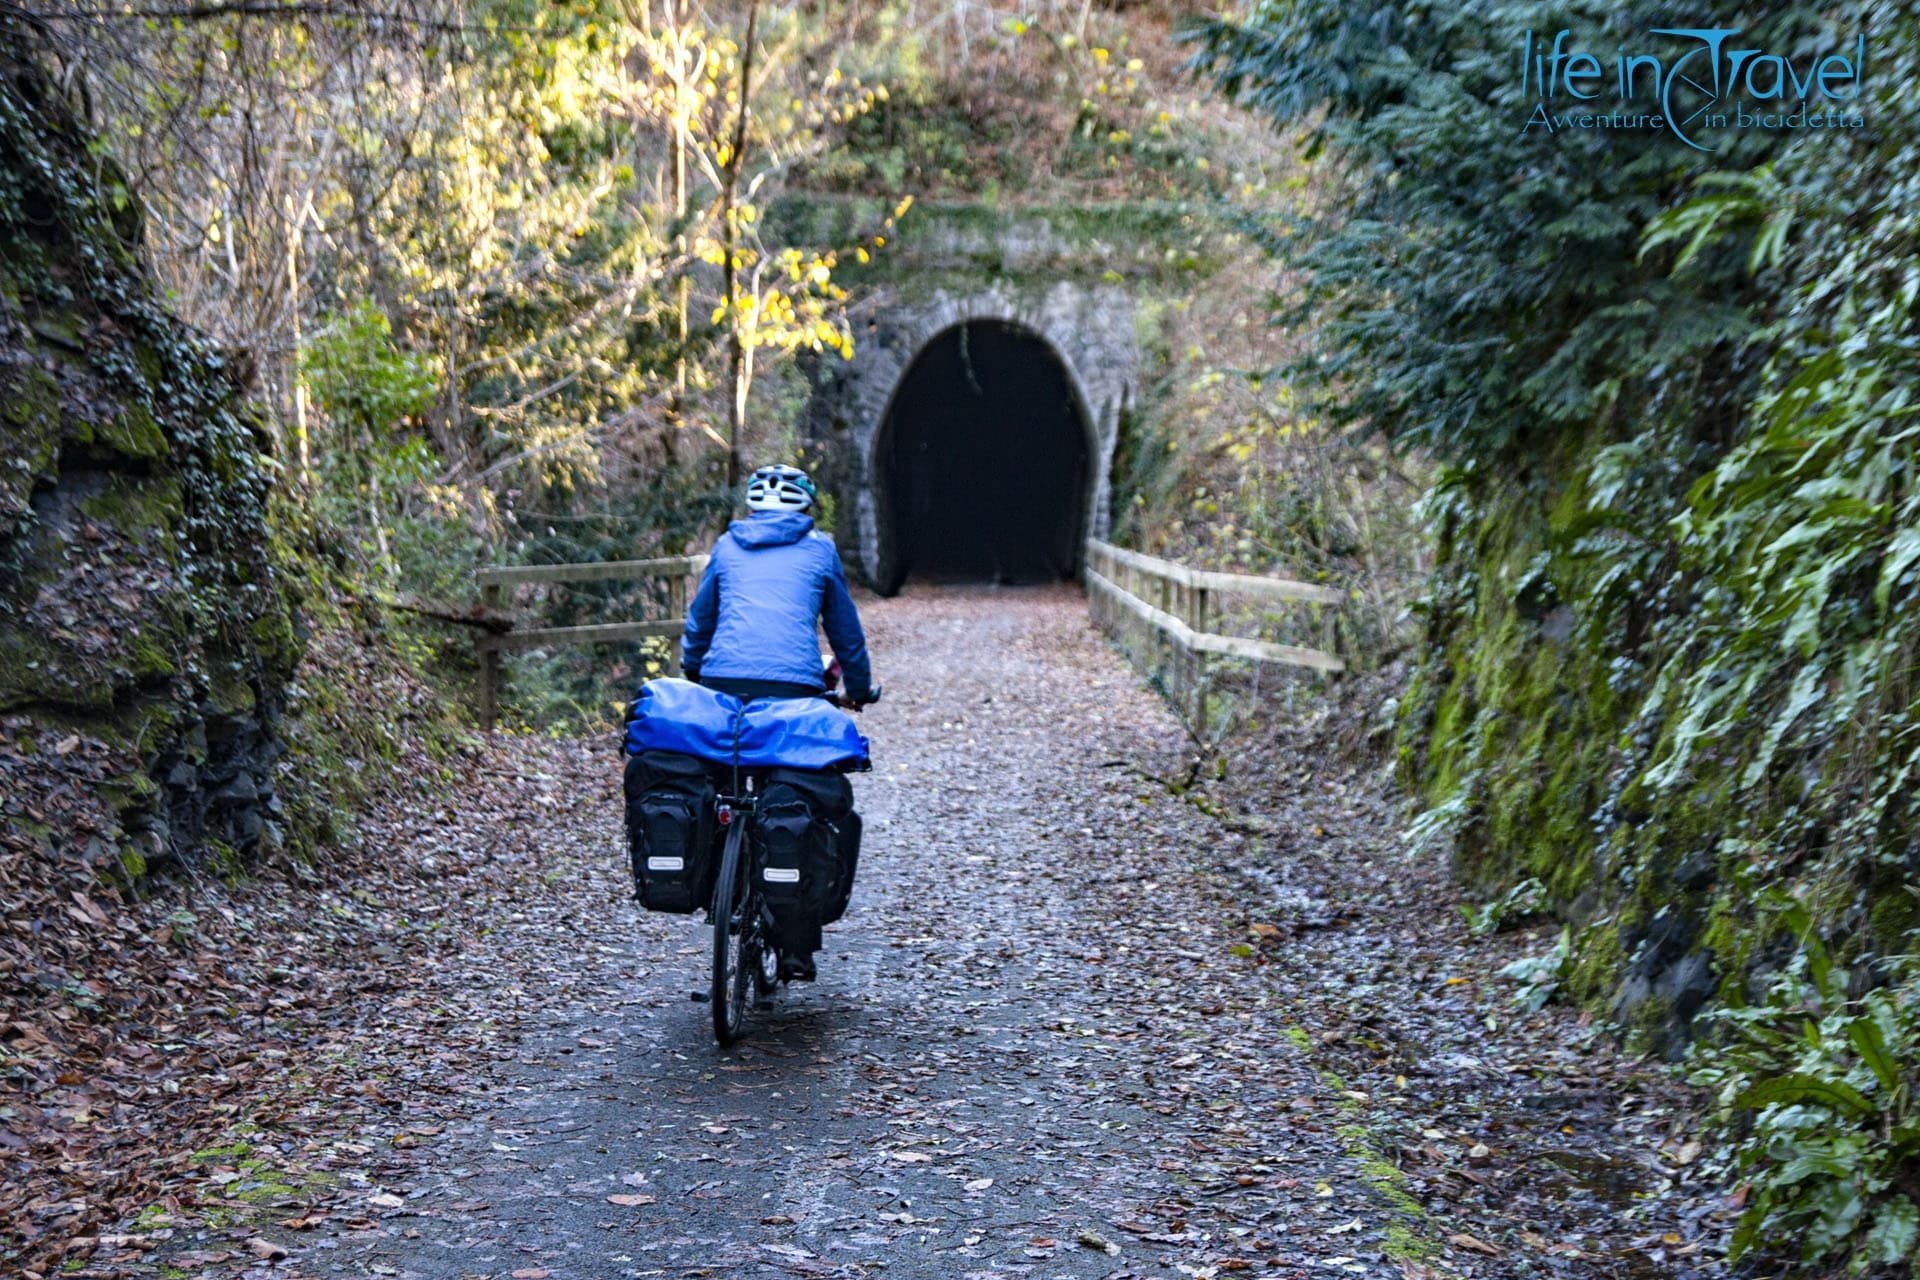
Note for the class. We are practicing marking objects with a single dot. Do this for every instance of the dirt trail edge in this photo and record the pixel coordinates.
(1036, 1048)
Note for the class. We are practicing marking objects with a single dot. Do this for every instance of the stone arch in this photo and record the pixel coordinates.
(1087, 329)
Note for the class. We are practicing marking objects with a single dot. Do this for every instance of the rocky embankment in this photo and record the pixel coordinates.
(145, 643)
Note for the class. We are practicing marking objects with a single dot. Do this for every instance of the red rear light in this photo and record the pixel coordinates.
(725, 815)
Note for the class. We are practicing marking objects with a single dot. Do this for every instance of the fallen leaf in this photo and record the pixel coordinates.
(266, 1250)
(631, 1201)
(790, 1251)
(1094, 1240)
(1465, 1241)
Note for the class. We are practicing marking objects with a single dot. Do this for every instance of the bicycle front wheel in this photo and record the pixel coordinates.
(732, 935)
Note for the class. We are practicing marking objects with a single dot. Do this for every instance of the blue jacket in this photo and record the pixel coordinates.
(770, 577)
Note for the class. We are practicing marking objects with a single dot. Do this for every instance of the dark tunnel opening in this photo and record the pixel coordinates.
(985, 459)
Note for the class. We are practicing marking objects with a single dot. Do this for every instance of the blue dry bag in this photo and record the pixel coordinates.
(794, 733)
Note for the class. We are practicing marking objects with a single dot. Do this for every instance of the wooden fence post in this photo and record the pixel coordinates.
(489, 663)
(678, 592)
(1172, 650)
(1197, 619)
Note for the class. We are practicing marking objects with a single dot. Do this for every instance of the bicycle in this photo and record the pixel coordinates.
(744, 957)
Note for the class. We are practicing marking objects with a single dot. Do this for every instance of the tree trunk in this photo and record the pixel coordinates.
(682, 111)
(730, 248)
(303, 458)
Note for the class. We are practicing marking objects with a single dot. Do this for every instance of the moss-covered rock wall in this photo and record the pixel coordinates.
(139, 610)
(1512, 737)
(1554, 731)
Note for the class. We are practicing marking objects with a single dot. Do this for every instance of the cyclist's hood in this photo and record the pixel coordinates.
(771, 529)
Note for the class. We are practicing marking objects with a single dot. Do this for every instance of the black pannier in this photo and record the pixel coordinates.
(670, 799)
(849, 863)
(808, 838)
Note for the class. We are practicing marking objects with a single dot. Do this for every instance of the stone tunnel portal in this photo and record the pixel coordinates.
(985, 458)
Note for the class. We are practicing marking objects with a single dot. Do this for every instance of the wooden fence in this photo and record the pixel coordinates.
(681, 572)
(1165, 608)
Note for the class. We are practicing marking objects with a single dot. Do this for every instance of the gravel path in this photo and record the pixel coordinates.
(1034, 1049)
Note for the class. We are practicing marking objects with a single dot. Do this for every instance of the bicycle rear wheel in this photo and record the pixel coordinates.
(734, 932)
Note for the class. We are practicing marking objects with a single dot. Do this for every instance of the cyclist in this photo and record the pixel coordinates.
(750, 633)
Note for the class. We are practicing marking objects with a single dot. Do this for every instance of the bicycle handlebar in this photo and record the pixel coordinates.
(845, 703)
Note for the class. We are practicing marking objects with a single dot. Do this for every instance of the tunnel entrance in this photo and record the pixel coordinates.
(985, 462)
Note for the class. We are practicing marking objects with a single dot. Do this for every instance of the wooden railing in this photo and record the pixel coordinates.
(681, 572)
(1168, 608)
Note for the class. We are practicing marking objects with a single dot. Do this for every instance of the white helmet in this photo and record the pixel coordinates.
(780, 488)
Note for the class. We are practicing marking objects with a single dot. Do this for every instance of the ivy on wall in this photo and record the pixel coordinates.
(1670, 643)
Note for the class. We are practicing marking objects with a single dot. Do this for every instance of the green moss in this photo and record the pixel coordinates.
(150, 726)
(134, 435)
(133, 864)
(1894, 916)
(232, 1151)
(224, 860)
(1649, 1024)
(1406, 1236)
(1597, 960)
(276, 640)
(33, 671)
(141, 508)
(1726, 933)
(266, 1193)
(129, 791)
(32, 415)
(151, 659)
(229, 691)
(1403, 1243)
(964, 244)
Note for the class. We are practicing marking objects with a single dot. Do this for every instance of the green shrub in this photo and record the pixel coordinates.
(1815, 1096)
(1673, 631)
